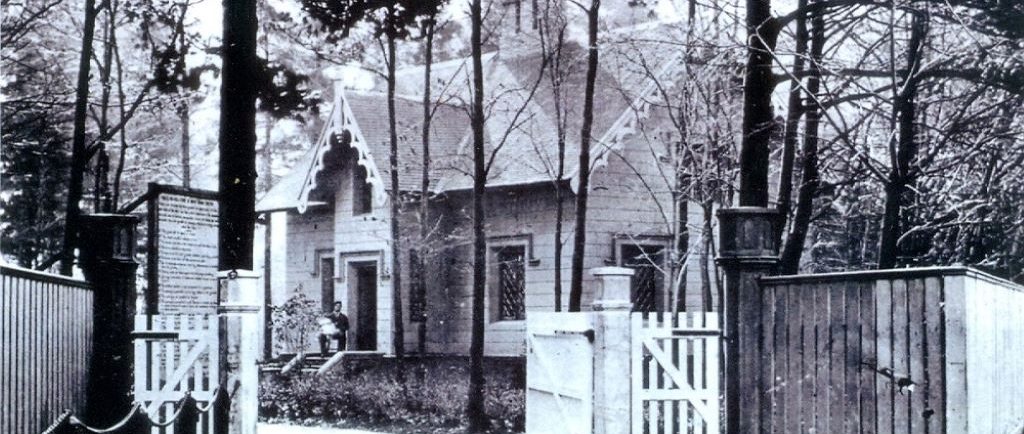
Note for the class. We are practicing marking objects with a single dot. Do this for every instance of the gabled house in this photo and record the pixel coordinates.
(337, 200)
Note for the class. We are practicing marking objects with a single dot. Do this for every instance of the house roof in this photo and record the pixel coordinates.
(522, 139)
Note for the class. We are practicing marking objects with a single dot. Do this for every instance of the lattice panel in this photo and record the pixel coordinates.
(645, 288)
(512, 281)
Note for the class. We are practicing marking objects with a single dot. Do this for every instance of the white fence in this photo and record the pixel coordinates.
(669, 381)
(675, 373)
(560, 373)
(175, 354)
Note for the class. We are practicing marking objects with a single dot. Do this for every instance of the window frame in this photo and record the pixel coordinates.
(661, 296)
(494, 278)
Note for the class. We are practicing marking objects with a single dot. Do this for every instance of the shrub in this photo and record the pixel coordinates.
(294, 322)
(427, 394)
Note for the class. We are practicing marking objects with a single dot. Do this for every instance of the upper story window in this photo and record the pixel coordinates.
(510, 279)
(362, 193)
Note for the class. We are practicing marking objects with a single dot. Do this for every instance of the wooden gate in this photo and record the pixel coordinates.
(675, 373)
(175, 354)
(559, 373)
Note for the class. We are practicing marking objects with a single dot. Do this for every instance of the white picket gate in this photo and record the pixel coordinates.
(560, 373)
(675, 373)
(175, 354)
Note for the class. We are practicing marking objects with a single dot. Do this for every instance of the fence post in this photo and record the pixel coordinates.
(240, 300)
(748, 251)
(188, 418)
(611, 350)
(108, 262)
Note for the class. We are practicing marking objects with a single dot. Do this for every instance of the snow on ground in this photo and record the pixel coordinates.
(268, 428)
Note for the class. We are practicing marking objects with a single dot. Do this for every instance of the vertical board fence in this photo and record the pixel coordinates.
(45, 345)
(675, 373)
(931, 350)
(175, 354)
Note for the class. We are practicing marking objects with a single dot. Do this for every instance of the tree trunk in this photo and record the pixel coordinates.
(795, 111)
(758, 117)
(186, 164)
(78, 151)
(794, 247)
(475, 398)
(582, 191)
(706, 239)
(237, 177)
(901, 176)
(396, 203)
(556, 89)
(682, 247)
(122, 151)
(425, 176)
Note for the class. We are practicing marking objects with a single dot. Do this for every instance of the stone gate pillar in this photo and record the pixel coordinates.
(239, 301)
(611, 350)
(747, 251)
(107, 259)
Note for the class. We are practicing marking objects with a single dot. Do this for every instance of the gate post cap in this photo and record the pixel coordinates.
(612, 288)
(238, 291)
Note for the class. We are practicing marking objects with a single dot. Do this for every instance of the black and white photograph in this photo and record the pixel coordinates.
(512, 216)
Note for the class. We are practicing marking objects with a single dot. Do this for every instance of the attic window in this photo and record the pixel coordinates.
(362, 193)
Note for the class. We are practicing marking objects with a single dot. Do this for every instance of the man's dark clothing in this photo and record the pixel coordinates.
(341, 323)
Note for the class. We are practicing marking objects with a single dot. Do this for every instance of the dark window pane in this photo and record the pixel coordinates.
(512, 283)
(362, 193)
(417, 289)
(648, 280)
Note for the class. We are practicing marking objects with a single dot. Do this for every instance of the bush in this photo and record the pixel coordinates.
(294, 322)
(431, 393)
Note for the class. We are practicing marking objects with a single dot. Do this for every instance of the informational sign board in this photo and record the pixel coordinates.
(181, 250)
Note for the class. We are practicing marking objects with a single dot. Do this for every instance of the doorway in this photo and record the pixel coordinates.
(366, 306)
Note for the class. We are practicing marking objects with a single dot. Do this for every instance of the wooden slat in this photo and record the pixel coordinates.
(795, 376)
(869, 357)
(782, 351)
(837, 360)
(821, 362)
(901, 355)
(767, 362)
(808, 362)
(852, 356)
(712, 351)
(636, 350)
(915, 331)
(700, 371)
(933, 349)
(686, 351)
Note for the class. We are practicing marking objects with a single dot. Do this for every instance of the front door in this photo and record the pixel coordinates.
(366, 307)
(327, 284)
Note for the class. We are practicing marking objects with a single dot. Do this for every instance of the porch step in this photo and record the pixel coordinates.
(313, 362)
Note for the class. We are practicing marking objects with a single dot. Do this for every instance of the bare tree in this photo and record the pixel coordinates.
(582, 191)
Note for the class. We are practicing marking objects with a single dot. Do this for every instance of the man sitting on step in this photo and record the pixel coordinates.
(334, 325)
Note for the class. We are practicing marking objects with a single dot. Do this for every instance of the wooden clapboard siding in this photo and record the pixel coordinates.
(932, 350)
(46, 339)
